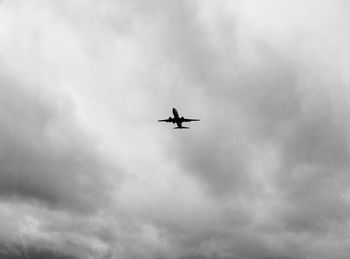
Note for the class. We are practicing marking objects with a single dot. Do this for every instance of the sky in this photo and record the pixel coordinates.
(86, 171)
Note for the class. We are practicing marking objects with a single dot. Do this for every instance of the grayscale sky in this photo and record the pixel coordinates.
(87, 172)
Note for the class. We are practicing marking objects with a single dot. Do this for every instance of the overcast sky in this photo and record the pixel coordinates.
(87, 172)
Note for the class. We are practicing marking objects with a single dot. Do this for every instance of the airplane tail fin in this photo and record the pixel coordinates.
(181, 128)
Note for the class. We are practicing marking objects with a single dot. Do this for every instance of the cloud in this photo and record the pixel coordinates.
(33, 252)
(48, 163)
(86, 171)
(44, 155)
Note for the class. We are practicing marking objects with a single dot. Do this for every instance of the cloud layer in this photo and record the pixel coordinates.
(86, 172)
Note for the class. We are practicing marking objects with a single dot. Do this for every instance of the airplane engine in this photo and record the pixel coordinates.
(171, 120)
(182, 118)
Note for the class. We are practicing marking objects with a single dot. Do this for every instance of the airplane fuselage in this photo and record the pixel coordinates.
(176, 114)
(177, 119)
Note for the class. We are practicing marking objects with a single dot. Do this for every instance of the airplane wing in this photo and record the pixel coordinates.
(188, 120)
(166, 120)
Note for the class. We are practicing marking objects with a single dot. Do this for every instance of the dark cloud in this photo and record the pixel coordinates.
(313, 177)
(45, 156)
(17, 252)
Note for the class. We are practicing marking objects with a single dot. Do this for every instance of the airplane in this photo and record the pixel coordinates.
(178, 120)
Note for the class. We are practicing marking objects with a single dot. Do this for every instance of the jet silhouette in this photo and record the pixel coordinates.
(178, 120)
